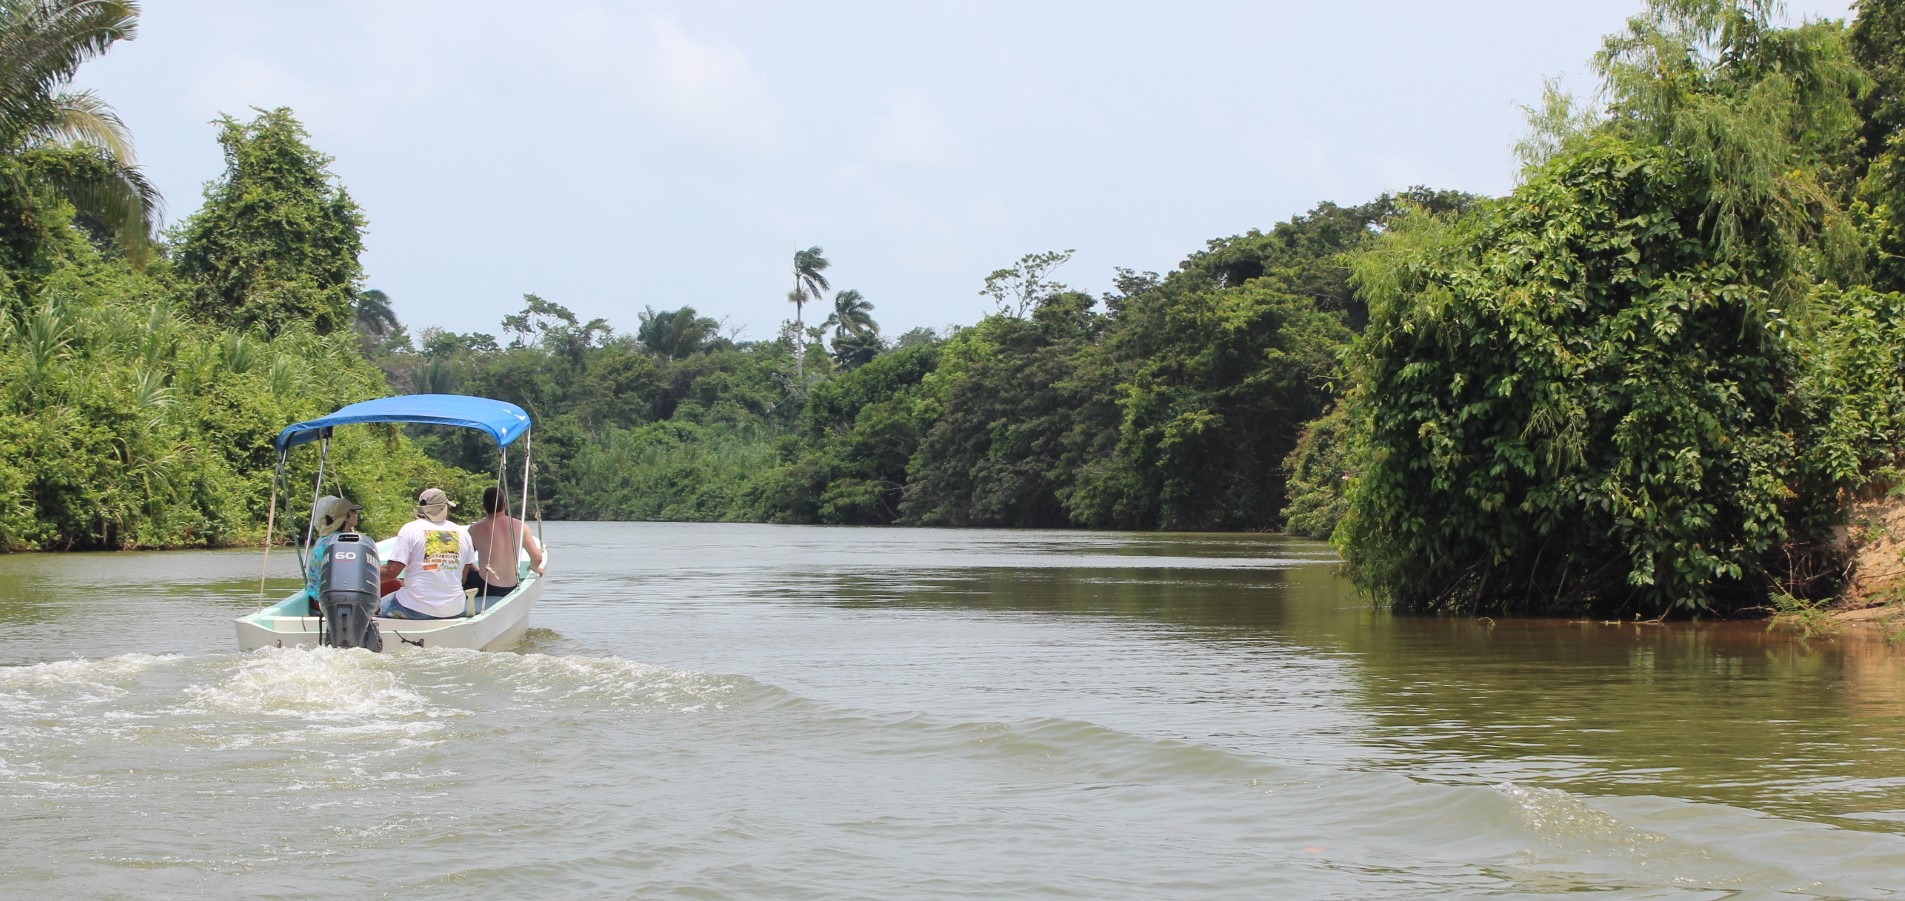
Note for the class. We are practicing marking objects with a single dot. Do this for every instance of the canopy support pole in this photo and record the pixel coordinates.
(524, 517)
(310, 527)
(502, 485)
(271, 522)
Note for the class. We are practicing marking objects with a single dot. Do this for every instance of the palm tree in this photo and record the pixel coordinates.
(435, 376)
(675, 334)
(372, 316)
(42, 43)
(852, 315)
(809, 284)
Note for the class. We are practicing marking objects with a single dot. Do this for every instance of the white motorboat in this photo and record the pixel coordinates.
(345, 619)
(288, 623)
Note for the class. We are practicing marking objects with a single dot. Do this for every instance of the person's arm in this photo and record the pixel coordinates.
(467, 552)
(534, 547)
(314, 570)
(399, 556)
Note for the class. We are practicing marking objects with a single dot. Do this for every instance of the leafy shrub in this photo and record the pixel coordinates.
(1575, 398)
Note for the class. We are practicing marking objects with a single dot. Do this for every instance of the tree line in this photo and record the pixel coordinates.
(1171, 403)
(1649, 378)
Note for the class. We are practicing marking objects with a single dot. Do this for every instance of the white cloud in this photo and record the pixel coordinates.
(235, 84)
(911, 132)
(1290, 157)
(700, 92)
(710, 90)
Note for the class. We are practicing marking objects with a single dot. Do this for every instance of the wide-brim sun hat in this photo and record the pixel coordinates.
(331, 511)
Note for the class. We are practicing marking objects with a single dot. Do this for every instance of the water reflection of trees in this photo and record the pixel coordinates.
(1725, 712)
(1249, 598)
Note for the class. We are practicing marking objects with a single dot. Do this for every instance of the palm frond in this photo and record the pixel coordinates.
(373, 315)
(84, 117)
(117, 195)
(42, 43)
(808, 266)
(853, 314)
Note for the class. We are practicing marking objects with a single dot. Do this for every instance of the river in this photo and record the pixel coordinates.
(748, 711)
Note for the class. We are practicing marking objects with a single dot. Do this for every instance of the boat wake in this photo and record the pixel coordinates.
(320, 684)
(610, 758)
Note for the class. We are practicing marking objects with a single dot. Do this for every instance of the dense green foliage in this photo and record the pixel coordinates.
(1215, 384)
(1875, 170)
(997, 445)
(1645, 379)
(1318, 471)
(277, 241)
(1171, 405)
(128, 425)
(1570, 390)
(859, 432)
(1852, 396)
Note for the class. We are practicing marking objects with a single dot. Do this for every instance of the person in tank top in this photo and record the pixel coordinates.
(498, 536)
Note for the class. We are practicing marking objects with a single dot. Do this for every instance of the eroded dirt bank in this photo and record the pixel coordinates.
(1873, 543)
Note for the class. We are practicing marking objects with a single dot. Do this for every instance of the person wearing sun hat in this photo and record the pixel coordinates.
(434, 555)
(330, 517)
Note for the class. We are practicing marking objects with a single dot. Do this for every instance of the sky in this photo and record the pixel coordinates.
(617, 156)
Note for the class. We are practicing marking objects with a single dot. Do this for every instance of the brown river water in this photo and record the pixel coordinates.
(746, 711)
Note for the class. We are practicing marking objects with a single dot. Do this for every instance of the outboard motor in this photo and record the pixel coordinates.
(350, 594)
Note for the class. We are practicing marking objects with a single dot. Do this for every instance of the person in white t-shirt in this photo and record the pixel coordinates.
(433, 554)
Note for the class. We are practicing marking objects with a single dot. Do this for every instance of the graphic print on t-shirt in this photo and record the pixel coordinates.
(440, 549)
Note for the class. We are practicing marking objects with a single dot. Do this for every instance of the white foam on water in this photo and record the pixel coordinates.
(61, 684)
(318, 684)
(614, 681)
(1562, 818)
(1586, 839)
(65, 704)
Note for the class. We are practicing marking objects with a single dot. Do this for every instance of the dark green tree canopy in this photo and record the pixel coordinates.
(852, 315)
(278, 240)
(1308, 254)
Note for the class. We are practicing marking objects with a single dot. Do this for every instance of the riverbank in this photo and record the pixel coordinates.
(1872, 542)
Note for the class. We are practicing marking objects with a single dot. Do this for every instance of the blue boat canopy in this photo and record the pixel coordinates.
(501, 419)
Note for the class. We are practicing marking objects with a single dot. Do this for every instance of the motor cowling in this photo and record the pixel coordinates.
(349, 596)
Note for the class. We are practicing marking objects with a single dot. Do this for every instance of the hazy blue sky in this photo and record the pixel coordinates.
(616, 155)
